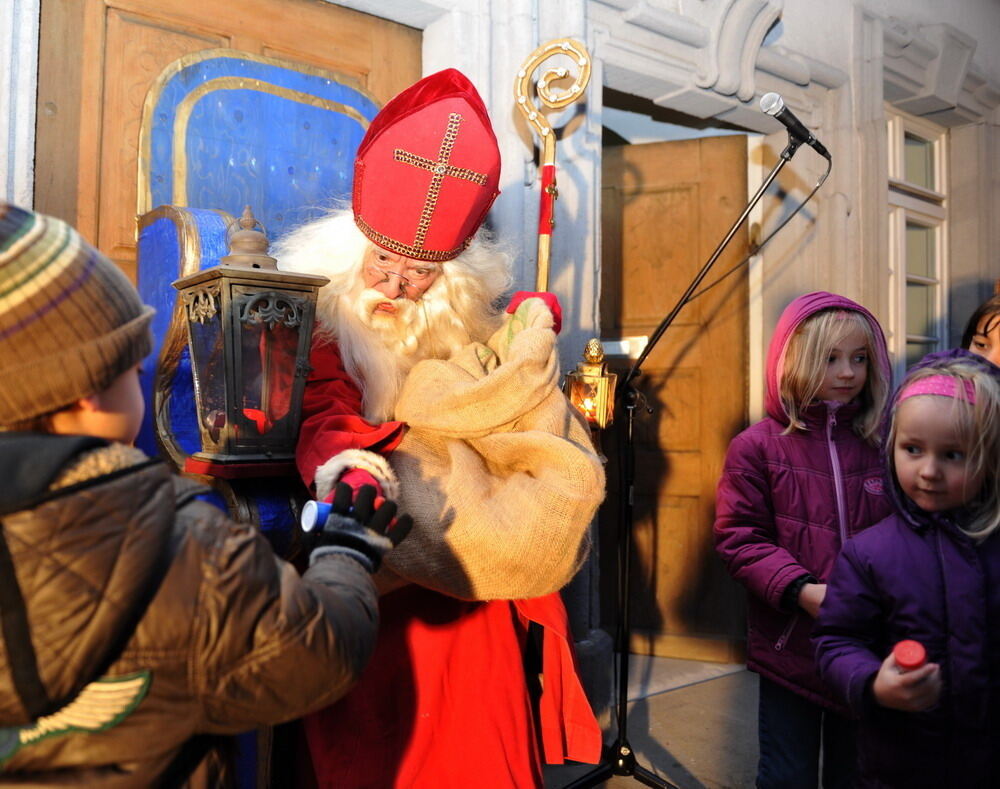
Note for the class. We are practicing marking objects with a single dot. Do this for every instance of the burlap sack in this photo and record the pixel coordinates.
(497, 468)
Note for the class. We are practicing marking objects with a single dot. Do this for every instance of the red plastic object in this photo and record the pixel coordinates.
(909, 654)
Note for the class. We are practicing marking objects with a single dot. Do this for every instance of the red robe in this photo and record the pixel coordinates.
(444, 701)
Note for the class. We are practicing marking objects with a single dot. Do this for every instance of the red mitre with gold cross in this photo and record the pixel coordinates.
(427, 170)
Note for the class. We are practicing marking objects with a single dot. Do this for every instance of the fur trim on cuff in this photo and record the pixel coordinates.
(376, 465)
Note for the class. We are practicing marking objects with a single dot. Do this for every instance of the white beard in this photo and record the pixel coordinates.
(379, 348)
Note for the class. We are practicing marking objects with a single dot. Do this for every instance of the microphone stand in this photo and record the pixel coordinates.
(619, 758)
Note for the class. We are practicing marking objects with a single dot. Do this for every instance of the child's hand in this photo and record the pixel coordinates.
(811, 598)
(910, 691)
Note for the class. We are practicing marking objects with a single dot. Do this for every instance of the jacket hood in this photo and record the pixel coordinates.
(794, 314)
(911, 514)
(86, 553)
(30, 462)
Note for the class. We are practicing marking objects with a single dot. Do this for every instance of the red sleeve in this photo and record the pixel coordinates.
(331, 415)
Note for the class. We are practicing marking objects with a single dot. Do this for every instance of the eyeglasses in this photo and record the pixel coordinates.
(419, 276)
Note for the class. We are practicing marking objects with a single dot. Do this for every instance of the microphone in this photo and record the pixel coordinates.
(772, 104)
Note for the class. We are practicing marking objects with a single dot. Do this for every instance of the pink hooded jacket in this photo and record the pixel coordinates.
(786, 503)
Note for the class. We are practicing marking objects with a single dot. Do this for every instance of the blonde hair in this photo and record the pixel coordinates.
(461, 306)
(978, 429)
(805, 365)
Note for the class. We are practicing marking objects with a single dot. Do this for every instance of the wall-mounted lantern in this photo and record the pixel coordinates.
(249, 332)
(591, 388)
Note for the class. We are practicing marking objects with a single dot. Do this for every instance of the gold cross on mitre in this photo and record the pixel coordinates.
(440, 169)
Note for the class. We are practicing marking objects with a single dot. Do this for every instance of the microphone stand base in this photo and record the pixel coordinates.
(620, 760)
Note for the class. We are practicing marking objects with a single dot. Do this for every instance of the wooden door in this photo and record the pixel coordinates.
(666, 206)
(97, 59)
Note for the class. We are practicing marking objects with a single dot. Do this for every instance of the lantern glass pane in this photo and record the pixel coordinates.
(612, 383)
(584, 395)
(268, 374)
(208, 366)
(601, 404)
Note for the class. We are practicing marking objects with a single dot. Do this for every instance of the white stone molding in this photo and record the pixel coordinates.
(974, 193)
(18, 87)
(869, 243)
(708, 68)
(415, 13)
(666, 23)
(797, 68)
(929, 71)
(777, 62)
(621, 5)
(732, 55)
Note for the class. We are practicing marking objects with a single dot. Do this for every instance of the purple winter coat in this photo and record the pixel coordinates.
(786, 503)
(916, 575)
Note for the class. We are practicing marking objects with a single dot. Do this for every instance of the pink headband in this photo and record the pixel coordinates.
(941, 385)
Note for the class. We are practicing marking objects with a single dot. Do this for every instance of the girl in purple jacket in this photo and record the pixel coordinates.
(794, 487)
(930, 572)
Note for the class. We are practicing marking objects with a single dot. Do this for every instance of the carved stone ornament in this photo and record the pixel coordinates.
(710, 61)
(928, 70)
(730, 68)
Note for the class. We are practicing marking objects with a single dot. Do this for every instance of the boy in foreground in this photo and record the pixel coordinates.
(137, 623)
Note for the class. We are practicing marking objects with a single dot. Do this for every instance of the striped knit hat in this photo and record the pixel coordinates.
(70, 321)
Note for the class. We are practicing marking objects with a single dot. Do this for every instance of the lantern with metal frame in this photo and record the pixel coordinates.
(591, 388)
(249, 332)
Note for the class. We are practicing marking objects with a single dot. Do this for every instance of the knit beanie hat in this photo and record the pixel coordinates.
(70, 320)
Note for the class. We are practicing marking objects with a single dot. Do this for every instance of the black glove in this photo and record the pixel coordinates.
(359, 530)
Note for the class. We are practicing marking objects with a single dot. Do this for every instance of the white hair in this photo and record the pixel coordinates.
(461, 306)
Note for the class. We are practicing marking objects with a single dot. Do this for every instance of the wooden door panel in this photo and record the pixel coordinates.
(666, 207)
(672, 473)
(98, 58)
(138, 47)
(345, 61)
(648, 259)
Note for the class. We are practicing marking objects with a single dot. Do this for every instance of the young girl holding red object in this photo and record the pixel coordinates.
(931, 573)
(794, 487)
